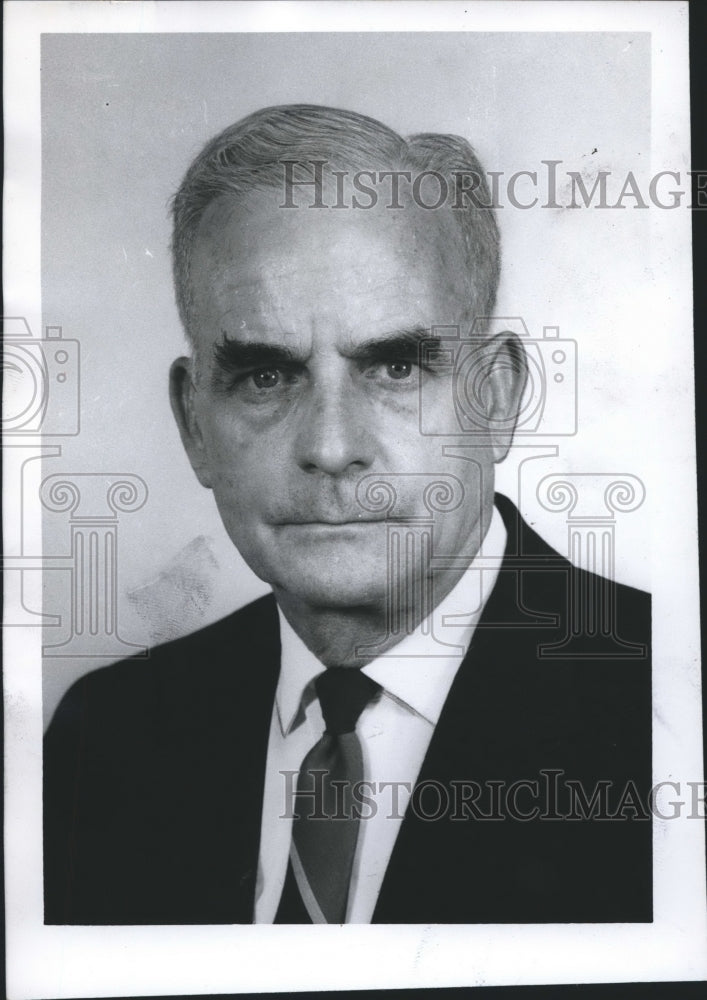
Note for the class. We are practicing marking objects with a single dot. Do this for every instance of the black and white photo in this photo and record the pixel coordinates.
(351, 464)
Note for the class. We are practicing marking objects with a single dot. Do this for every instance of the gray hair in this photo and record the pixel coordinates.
(250, 155)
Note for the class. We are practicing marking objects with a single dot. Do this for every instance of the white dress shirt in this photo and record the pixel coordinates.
(394, 731)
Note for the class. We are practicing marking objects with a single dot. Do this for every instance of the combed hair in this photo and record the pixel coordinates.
(250, 154)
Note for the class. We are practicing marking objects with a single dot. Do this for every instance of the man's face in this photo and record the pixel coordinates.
(307, 380)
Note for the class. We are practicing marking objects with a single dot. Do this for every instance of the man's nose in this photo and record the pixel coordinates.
(334, 434)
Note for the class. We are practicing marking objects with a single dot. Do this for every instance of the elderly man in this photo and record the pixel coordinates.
(395, 734)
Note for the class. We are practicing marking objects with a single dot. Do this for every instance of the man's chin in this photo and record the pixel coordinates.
(326, 566)
(346, 592)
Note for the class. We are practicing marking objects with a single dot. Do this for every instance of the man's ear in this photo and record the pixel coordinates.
(505, 374)
(181, 396)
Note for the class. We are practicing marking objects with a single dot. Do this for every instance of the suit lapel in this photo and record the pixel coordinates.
(479, 735)
(465, 853)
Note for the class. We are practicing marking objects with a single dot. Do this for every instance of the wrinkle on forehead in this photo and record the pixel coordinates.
(262, 270)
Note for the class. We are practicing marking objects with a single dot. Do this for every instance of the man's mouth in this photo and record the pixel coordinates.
(329, 520)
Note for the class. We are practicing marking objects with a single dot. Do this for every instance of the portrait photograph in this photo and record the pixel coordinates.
(351, 569)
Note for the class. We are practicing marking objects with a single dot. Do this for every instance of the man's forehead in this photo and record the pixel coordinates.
(235, 225)
(261, 269)
(332, 317)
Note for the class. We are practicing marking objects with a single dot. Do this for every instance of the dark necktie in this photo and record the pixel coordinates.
(326, 821)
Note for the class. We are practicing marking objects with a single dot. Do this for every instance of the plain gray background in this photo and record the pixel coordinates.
(122, 117)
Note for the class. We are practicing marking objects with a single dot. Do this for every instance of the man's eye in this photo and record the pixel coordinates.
(266, 378)
(399, 369)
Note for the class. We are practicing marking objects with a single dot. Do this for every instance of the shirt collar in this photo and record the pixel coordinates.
(417, 671)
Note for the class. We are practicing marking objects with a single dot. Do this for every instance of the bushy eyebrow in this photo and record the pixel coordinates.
(231, 355)
(401, 343)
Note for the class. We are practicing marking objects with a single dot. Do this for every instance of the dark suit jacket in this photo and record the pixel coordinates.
(154, 770)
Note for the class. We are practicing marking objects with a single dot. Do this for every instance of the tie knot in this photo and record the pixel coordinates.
(343, 694)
